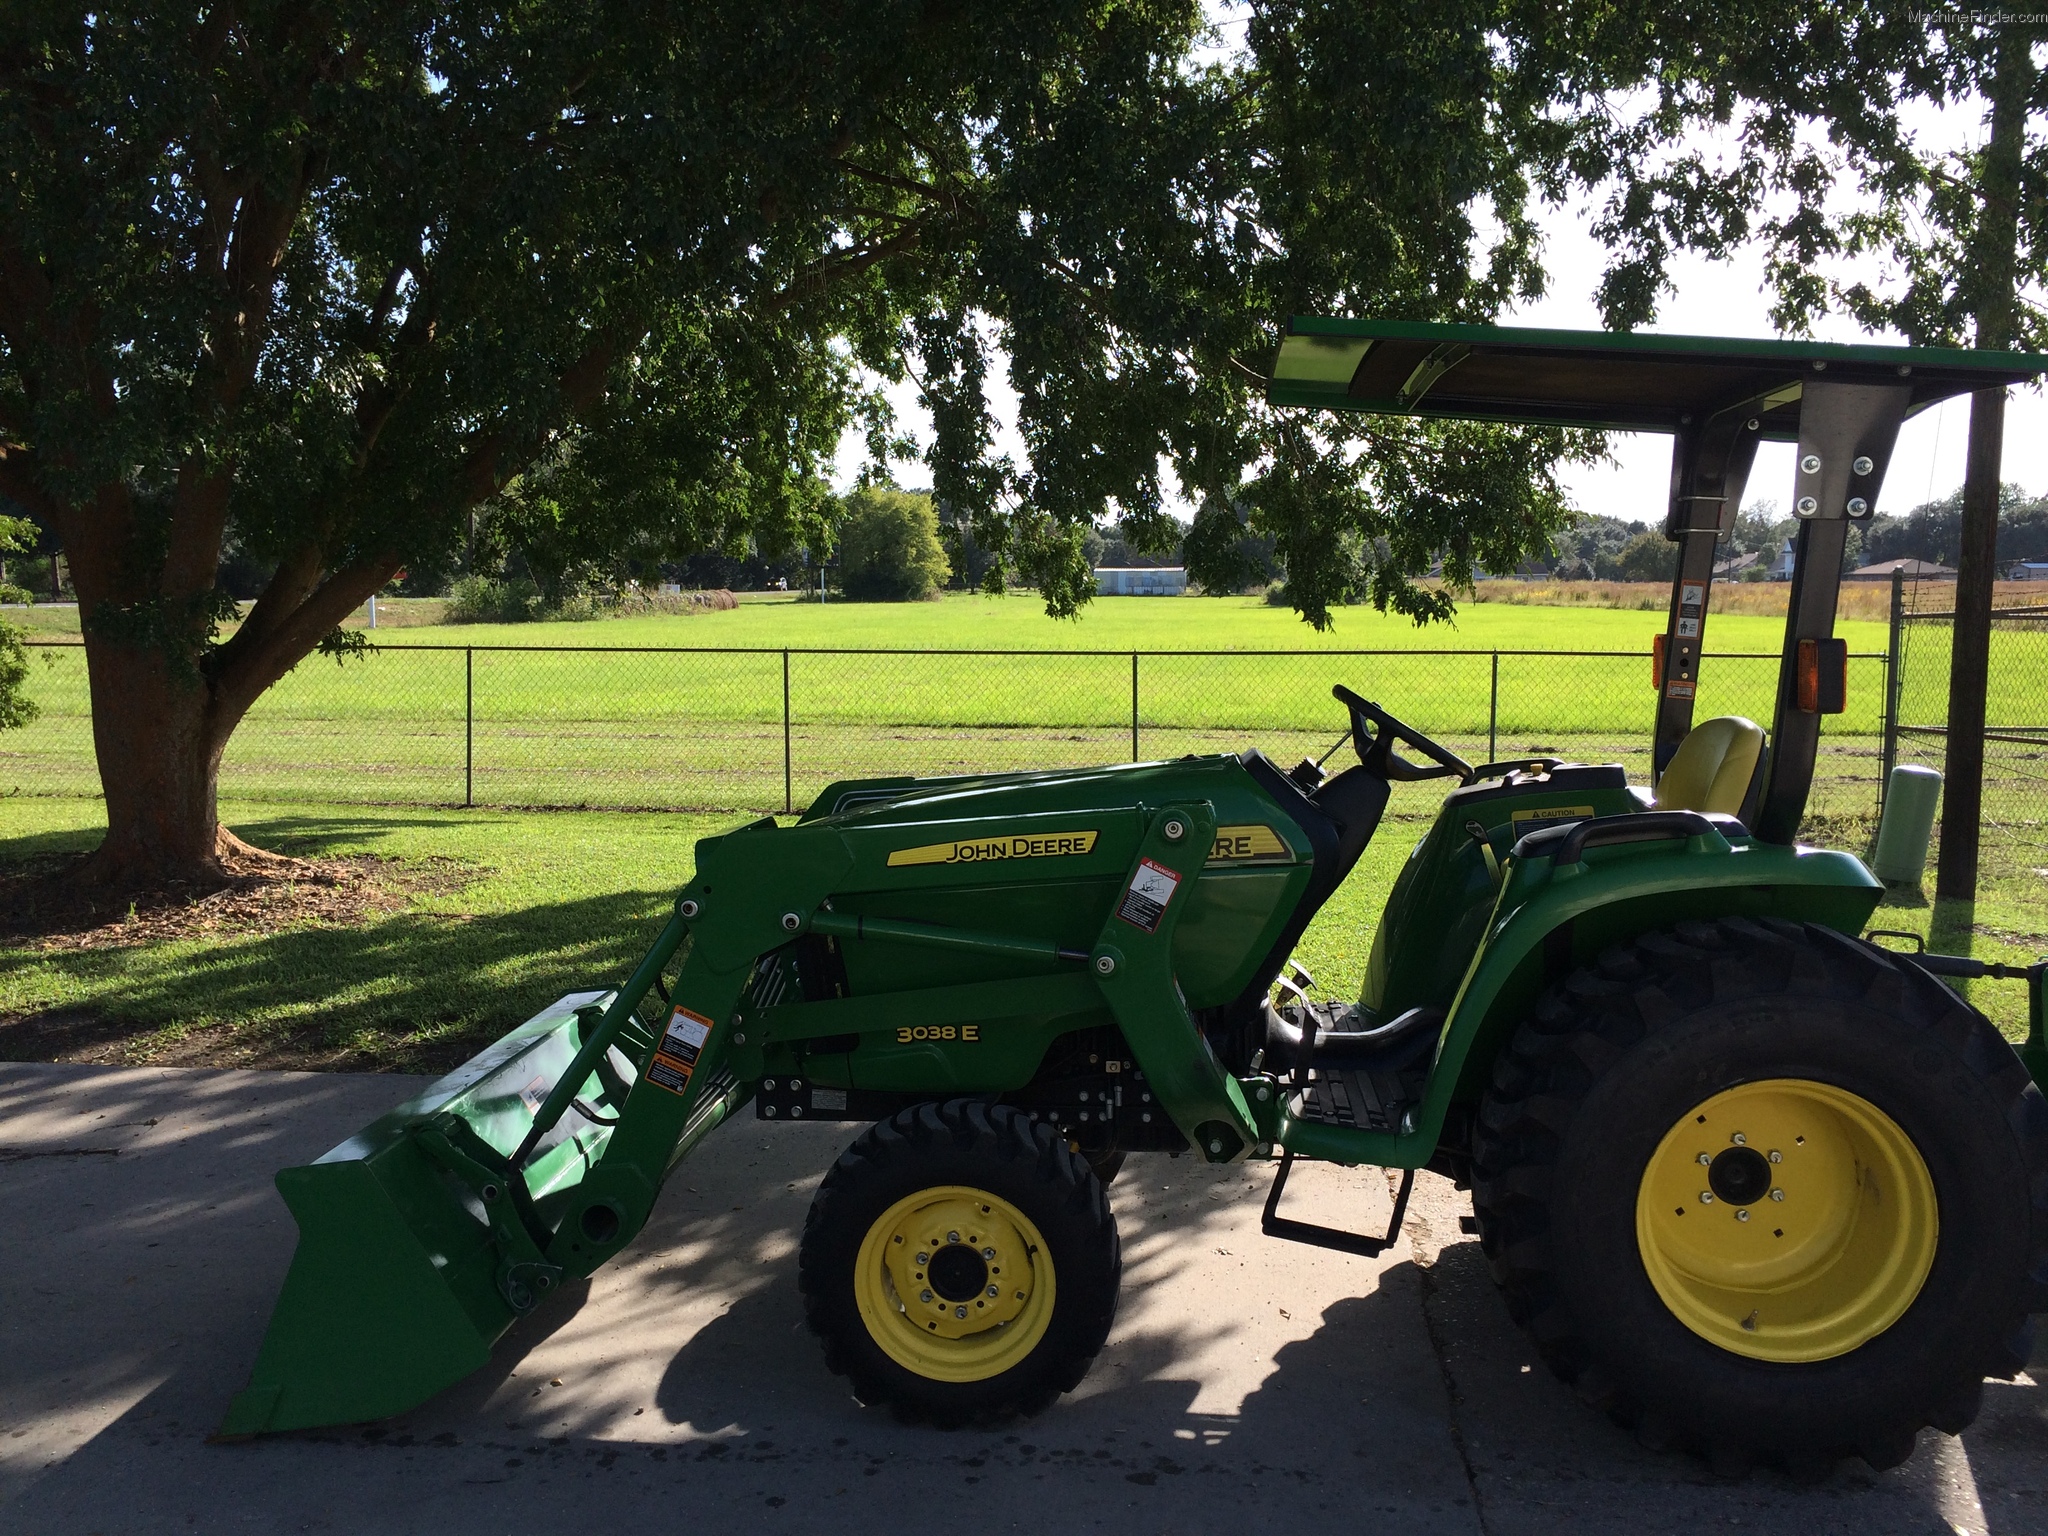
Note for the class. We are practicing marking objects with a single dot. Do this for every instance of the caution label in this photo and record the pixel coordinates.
(1145, 898)
(1553, 813)
(984, 850)
(1240, 843)
(675, 1057)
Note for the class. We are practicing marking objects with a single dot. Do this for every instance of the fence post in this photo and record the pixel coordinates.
(1134, 706)
(788, 792)
(1893, 656)
(1493, 714)
(468, 726)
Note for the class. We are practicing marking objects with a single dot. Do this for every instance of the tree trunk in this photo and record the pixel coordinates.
(1991, 285)
(159, 758)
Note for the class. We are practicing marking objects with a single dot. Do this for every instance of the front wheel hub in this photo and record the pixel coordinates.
(955, 1283)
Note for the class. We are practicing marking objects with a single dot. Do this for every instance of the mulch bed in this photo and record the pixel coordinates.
(263, 895)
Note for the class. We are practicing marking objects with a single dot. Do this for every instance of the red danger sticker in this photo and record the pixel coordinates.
(1145, 898)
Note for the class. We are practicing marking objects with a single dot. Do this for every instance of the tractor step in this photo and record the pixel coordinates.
(1356, 1097)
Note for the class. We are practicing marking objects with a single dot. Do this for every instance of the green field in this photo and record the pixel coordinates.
(427, 720)
(550, 902)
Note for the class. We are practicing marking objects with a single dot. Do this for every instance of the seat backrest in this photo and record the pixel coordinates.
(1713, 766)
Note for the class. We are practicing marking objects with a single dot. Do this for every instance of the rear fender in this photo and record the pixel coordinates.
(1548, 921)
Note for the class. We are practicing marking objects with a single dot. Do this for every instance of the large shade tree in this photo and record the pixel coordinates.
(1893, 166)
(333, 276)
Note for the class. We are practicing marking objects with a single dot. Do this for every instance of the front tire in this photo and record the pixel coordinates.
(1767, 1192)
(961, 1264)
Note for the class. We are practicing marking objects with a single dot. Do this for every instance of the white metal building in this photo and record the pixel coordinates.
(1141, 581)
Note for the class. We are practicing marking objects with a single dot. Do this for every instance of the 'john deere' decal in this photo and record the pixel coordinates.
(1248, 843)
(984, 850)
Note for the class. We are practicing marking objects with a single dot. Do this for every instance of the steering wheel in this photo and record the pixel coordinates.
(1375, 746)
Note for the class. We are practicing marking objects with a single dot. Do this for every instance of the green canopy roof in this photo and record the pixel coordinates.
(1637, 383)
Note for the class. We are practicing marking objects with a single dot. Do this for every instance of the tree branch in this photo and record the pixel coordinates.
(820, 277)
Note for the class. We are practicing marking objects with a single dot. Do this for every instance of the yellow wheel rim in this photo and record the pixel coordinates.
(1787, 1220)
(954, 1283)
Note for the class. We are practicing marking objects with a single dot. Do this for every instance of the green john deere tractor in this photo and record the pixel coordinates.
(1754, 1184)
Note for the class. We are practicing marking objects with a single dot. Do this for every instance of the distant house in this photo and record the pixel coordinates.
(1912, 570)
(2029, 570)
(1735, 565)
(1781, 568)
(1141, 581)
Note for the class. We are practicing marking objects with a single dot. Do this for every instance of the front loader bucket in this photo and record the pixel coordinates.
(401, 1281)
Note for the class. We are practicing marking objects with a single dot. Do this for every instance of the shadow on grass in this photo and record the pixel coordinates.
(417, 992)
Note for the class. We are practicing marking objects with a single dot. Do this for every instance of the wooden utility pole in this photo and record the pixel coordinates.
(1994, 252)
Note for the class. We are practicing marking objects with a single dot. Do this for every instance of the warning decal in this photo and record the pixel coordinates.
(675, 1058)
(1145, 898)
(1552, 813)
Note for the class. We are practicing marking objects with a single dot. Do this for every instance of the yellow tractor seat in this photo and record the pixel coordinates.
(1712, 767)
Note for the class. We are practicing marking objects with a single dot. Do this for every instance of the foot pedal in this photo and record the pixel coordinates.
(1273, 1224)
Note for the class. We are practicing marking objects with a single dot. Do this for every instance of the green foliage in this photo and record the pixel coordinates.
(331, 287)
(16, 707)
(889, 550)
(1933, 531)
(344, 645)
(1649, 556)
(485, 600)
(1802, 100)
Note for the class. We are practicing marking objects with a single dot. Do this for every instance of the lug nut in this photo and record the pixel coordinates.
(1703, 1160)
(924, 1295)
(1807, 506)
(988, 1253)
(952, 1237)
(1858, 506)
(1777, 1194)
(924, 1258)
(995, 1290)
(1810, 465)
(1738, 1139)
(1742, 1215)
(1862, 464)
(1706, 1197)
(960, 1312)
(1775, 1155)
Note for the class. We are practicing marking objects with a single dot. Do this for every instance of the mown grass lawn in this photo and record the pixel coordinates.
(427, 721)
(554, 902)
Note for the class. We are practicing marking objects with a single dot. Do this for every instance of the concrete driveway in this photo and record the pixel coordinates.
(1246, 1380)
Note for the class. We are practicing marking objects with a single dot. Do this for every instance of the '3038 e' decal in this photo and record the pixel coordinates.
(909, 1034)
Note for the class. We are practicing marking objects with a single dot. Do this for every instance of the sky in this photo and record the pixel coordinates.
(1708, 298)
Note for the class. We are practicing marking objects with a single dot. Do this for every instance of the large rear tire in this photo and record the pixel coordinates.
(961, 1264)
(1768, 1193)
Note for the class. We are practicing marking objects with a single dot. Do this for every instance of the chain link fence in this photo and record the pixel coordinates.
(2015, 807)
(765, 730)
